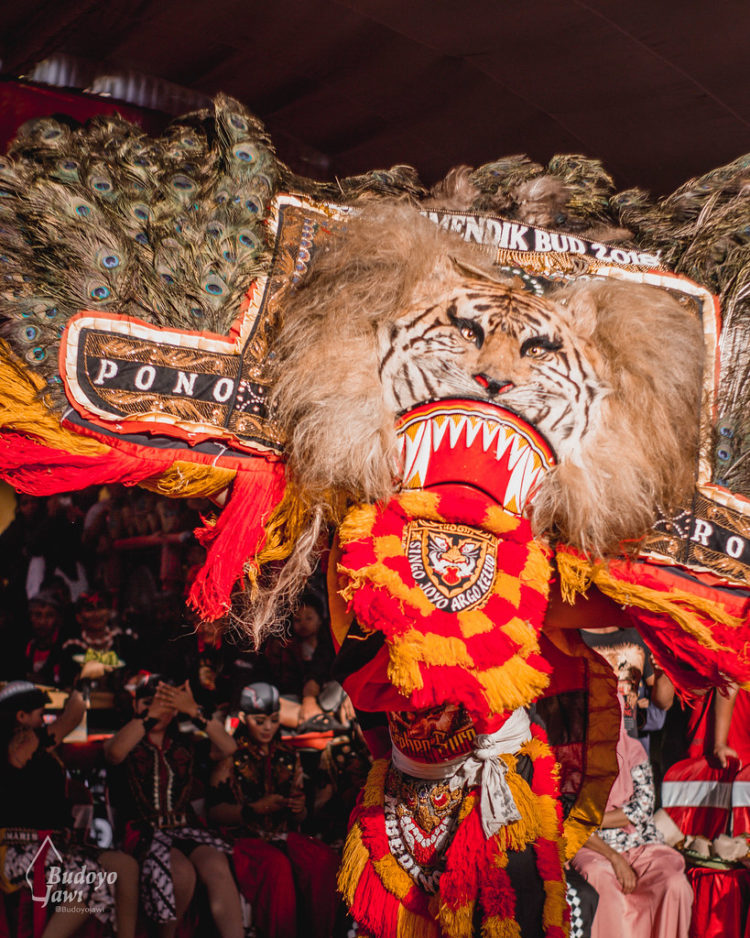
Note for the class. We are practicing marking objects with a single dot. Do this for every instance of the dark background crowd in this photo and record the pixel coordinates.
(93, 589)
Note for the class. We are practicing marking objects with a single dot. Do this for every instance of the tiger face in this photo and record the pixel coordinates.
(482, 338)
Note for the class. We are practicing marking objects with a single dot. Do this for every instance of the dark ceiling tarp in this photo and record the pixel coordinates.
(658, 91)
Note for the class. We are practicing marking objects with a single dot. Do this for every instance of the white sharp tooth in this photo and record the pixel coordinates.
(439, 426)
(472, 430)
(456, 427)
(399, 458)
(412, 450)
(407, 455)
(518, 449)
(530, 480)
(515, 489)
(422, 456)
(505, 438)
(489, 432)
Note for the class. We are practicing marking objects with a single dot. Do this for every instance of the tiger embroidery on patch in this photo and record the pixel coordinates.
(454, 565)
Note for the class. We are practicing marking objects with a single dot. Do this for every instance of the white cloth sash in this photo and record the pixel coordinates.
(483, 766)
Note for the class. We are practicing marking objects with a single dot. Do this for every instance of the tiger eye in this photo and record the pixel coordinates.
(468, 334)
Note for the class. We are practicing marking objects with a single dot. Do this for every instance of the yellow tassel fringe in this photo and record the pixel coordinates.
(458, 923)
(474, 622)
(190, 480)
(420, 504)
(353, 863)
(537, 570)
(23, 410)
(357, 524)
(375, 785)
(496, 927)
(411, 925)
(577, 574)
(511, 685)
(499, 521)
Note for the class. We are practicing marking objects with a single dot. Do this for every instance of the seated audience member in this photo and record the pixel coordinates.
(151, 777)
(101, 642)
(15, 548)
(631, 660)
(643, 891)
(336, 783)
(300, 669)
(202, 652)
(33, 785)
(13, 638)
(45, 659)
(258, 791)
(582, 901)
(651, 718)
(56, 547)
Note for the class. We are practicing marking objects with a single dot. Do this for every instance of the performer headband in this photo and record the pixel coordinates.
(482, 767)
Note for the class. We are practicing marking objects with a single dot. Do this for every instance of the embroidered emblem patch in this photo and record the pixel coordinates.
(453, 564)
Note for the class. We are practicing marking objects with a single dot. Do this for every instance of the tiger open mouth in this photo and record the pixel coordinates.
(476, 444)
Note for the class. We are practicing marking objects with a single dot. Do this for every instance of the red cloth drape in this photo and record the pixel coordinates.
(20, 101)
(698, 796)
(722, 901)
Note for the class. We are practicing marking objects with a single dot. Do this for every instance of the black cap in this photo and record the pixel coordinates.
(259, 698)
(22, 695)
(46, 598)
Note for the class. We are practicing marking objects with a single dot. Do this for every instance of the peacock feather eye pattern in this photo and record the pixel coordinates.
(183, 183)
(140, 211)
(214, 285)
(108, 259)
(36, 355)
(246, 153)
(169, 229)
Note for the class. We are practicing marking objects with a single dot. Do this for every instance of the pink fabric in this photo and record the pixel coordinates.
(659, 907)
(630, 753)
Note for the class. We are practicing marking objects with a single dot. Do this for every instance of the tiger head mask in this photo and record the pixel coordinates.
(396, 312)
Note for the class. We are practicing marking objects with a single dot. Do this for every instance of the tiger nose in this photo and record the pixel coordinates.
(492, 385)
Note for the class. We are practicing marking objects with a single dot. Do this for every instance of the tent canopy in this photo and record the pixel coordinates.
(658, 92)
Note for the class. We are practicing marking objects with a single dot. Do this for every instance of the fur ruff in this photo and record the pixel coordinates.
(641, 459)
(637, 459)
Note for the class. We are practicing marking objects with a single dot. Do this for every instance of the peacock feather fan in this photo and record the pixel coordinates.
(103, 217)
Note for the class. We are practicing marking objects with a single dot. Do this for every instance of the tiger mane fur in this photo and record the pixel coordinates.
(642, 458)
(638, 460)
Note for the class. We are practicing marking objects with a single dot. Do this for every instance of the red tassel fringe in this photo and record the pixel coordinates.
(237, 536)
